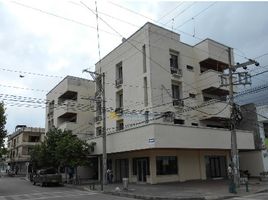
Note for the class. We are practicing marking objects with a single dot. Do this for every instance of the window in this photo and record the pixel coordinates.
(146, 115)
(146, 166)
(189, 67)
(173, 60)
(98, 131)
(119, 99)
(178, 121)
(175, 91)
(166, 165)
(34, 139)
(119, 74)
(119, 125)
(192, 95)
(144, 58)
(145, 91)
(194, 124)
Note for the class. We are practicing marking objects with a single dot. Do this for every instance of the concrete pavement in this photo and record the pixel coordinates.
(194, 190)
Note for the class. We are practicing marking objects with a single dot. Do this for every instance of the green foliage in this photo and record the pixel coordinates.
(3, 132)
(61, 149)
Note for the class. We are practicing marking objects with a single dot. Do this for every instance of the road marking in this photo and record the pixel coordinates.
(47, 195)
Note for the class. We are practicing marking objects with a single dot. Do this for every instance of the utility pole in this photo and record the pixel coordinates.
(104, 153)
(243, 78)
(100, 97)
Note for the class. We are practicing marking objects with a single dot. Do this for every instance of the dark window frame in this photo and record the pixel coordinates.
(166, 165)
(189, 67)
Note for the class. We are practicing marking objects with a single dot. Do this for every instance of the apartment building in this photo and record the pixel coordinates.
(167, 116)
(20, 144)
(69, 107)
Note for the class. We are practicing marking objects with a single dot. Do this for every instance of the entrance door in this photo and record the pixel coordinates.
(216, 166)
(141, 170)
(121, 169)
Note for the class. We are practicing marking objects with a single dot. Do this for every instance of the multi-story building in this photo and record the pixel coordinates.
(167, 116)
(20, 144)
(69, 107)
(255, 118)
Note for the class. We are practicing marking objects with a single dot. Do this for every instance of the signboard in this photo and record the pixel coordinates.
(151, 140)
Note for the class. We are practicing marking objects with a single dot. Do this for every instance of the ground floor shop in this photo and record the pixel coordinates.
(168, 165)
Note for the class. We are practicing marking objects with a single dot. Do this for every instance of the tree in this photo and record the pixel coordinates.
(3, 132)
(61, 149)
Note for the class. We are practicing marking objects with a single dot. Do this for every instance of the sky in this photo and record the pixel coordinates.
(43, 41)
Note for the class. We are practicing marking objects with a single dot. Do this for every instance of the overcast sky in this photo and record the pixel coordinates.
(59, 38)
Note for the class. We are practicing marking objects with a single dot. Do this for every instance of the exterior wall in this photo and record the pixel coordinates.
(252, 161)
(172, 136)
(262, 119)
(191, 163)
(19, 144)
(84, 125)
(250, 122)
(212, 49)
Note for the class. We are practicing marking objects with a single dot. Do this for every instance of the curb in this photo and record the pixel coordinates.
(145, 197)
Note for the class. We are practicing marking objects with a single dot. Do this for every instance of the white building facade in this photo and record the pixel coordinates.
(167, 116)
(20, 144)
(69, 107)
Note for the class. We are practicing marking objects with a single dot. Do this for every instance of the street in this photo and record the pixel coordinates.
(17, 188)
(260, 196)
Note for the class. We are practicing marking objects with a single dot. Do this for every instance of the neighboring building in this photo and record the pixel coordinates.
(153, 74)
(255, 118)
(20, 144)
(69, 107)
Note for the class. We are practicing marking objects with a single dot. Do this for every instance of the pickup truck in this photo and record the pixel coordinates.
(47, 176)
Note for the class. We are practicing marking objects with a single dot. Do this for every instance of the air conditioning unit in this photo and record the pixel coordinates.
(118, 82)
(175, 71)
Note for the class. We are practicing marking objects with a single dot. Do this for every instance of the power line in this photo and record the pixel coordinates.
(58, 16)
(181, 12)
(170, 11)
(212, 4)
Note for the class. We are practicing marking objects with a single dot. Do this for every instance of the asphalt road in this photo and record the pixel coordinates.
(260, 196)
(15, 188)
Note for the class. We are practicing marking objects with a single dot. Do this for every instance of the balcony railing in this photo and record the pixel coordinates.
(175, 71)
(118, 82)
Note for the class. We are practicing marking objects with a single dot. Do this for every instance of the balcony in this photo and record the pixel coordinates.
(173, 136)
(215, 110)
(211, 79)
(210, 49)
(68, 126)
(118, 82)
(176, 72)
(67, 106)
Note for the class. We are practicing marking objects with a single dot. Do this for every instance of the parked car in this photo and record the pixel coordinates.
(47, 176)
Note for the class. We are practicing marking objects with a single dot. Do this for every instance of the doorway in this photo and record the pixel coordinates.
(142, 170)
(216, 167)
(121, 169)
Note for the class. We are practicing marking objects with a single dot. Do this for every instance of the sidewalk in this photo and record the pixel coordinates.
(194, 190)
